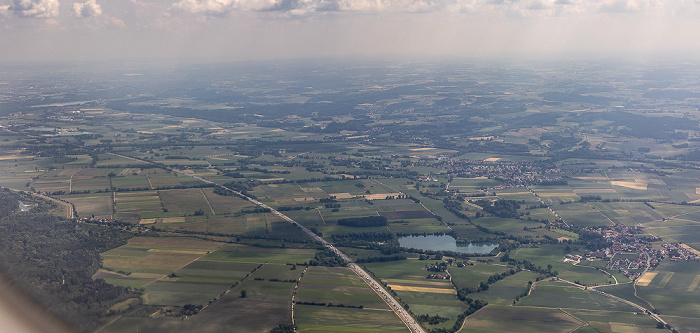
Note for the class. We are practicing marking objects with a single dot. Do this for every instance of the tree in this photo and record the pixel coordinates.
(243, 293)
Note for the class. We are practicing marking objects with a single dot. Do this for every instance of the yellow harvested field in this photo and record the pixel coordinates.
(591, 178)
(176, 219)
(687, 247)
(632, 185)
(434, 283)
(380, 196)
(479, 138)
(311, 189)
(627, 328)
(650, 181)
(492, 159)
(175, 242)
(13, 157)
(270, 179)
(423, 289)
(198, 252)
(302, 199)
(694, 285)
(667, 278)
(595, 190)
(513, 193)
(357, 137)
(645, 279)
(421, 149)
(567, 194)
(341, 195)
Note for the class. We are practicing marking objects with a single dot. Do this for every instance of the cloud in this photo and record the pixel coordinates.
(35, 8)
(88, 9)
(118, 23)
(517, 8)
(302, 7)
(221, 7)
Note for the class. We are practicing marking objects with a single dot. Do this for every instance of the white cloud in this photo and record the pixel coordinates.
(220, 7)
(482, 8)
(88, 9)
(35, 8)
(118, 23)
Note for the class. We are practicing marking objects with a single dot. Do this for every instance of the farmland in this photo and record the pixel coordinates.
(596, 188)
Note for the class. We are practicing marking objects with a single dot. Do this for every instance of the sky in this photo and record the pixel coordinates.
(231, 30)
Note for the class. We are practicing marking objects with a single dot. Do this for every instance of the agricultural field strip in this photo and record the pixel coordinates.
(643, 309)
(388, 298)
(207, 200)
(181, 267)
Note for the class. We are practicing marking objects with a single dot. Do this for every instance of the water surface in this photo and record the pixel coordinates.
(444, 243)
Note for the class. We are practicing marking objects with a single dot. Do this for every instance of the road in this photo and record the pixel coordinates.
(411, 323)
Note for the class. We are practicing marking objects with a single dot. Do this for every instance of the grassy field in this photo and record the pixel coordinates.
(503, 292)
(564, 295)
(341, 286)
(137, 204)
(627, 213)
(98, 204)
(471, 276)
(553, 254)
(498, 318)
(424, 296)
(266, 305)
(615, 321)
(583, 214)
(248, 254)
(147, 259)
(674, 290)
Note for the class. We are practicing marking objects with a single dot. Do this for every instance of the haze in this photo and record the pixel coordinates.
(229, 30)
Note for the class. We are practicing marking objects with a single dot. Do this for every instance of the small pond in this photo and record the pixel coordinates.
(444, 243)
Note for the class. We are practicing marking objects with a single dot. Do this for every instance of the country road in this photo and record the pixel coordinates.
(410, 322)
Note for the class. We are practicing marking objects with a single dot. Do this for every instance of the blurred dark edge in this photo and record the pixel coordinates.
(20, 313)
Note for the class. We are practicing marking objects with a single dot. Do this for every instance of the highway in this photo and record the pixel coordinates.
(410, 322)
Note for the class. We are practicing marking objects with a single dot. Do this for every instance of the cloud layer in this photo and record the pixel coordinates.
(87, 9)
(519, 7)
(257, 29)
(35, 8)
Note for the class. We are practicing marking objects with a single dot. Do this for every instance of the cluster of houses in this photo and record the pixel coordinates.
(513, 174)
(96, 220)
(627, 240)
(676, 251)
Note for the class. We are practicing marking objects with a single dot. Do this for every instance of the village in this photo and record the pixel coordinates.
(629, 241)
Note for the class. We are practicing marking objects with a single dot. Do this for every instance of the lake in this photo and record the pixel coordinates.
(444, 243)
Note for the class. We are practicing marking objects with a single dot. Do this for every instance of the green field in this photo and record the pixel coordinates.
(495, 318)
(341, 286)
(564, 295)
(673, 291)
(424, 296)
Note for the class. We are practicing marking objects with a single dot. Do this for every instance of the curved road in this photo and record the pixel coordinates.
(411, 323)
